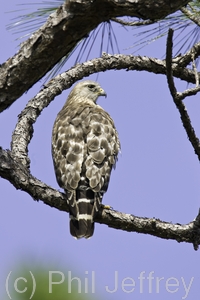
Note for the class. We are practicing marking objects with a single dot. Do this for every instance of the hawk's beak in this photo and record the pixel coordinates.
(102, 92)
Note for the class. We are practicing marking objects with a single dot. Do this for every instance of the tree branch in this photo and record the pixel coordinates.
(189, 233)
(55, 39)
(24, 129)
(191, 16)
(169, 72)
(188, 57)
(19, 176)
(178, 97)
(61, 33)
(14, 171)
(14, 165)
(134, 23)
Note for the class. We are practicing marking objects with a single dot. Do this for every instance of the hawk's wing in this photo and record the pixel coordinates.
(85, 146)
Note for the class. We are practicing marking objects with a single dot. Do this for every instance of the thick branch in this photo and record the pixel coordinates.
(14, 171)
(18, 175)
(61, 33)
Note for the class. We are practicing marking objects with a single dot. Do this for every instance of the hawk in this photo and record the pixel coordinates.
(85, 146)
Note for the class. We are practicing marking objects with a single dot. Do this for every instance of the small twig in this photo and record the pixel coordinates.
(178, 97)
(187, 93)
(169, 71)
(135, 23)
(195, 70)
(191, 54)
(196, 241)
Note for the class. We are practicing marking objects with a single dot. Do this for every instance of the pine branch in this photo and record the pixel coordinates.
(24, 128)
(178, 97)
(61, 33)
(14, 165)
(19, 176)
(189, 56)
(191, 16)
(14, 171)
(134, 23)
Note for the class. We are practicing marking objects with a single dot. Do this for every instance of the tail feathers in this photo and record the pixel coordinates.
(82, 227)
(82, 224)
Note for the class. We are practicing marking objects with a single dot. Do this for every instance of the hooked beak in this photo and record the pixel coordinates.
(102, 92)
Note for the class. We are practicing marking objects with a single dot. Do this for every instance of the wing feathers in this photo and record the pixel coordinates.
(85, 146)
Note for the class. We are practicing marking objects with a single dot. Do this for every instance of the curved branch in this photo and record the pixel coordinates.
(24, 128)
(14, 165)
(15, 172)
(12, 170)
(61, 33)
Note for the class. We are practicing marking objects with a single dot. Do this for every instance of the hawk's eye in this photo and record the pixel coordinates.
(91, 86)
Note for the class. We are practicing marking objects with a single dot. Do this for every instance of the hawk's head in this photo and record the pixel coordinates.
(88, 89)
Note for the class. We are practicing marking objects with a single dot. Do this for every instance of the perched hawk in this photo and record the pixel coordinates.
(85, 146)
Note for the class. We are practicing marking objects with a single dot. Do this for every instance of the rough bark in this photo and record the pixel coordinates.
(13, 170)
(59, 35)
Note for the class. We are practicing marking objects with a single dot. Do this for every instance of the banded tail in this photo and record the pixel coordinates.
(83, 205)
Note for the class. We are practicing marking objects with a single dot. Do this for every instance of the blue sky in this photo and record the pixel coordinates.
(157, 175)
